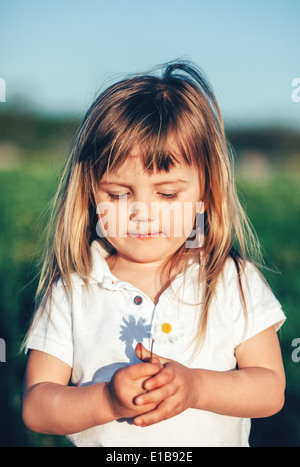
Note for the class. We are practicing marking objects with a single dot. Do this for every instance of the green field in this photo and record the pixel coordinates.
(273, 208)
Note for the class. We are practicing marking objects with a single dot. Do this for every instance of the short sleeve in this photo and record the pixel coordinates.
(263, 309)
(51, 331)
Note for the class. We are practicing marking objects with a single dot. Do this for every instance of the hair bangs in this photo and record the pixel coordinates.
(160, 133)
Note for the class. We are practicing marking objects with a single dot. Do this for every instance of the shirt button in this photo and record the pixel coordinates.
(138, 300)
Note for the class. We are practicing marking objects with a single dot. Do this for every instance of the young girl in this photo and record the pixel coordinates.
(121, 278)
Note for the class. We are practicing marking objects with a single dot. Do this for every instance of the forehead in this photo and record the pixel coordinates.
(133, 168)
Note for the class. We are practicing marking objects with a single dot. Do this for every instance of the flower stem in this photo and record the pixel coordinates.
(151, 351)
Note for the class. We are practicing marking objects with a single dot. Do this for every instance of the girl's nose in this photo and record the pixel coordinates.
(139, 211)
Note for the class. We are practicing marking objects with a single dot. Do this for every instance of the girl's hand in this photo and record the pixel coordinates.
(171, 391)
(128, 383)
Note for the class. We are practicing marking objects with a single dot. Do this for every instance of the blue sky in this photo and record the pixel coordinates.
(57, 54)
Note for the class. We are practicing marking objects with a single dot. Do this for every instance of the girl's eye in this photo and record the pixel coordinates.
(116, 197)
(169, 196)
(124, 195)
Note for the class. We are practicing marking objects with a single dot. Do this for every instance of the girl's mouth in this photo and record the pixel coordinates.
(144, 237)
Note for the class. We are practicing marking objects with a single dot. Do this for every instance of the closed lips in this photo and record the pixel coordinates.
(154, 234)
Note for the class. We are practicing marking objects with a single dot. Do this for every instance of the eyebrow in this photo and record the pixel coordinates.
(164, 182)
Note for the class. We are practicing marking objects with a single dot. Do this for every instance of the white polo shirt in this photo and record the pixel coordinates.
(97, 333)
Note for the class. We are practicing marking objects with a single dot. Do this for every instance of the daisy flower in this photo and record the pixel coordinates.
(166, 328)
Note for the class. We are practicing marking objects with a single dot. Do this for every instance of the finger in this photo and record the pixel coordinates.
(162, 412)
(143, 370)
(156, 396)
(165, 376)
(143, 354)
(156, 360)
(142, 409)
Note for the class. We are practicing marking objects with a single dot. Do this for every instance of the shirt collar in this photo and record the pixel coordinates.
(101, 273)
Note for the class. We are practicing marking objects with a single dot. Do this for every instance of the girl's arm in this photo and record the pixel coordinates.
(255, 390)
(50, 406)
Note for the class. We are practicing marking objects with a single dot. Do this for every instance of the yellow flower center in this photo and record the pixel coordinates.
(166, 328)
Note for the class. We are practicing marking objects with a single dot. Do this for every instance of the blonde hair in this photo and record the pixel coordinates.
(156, 113)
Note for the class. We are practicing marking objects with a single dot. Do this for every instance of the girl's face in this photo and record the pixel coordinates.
(147, 216)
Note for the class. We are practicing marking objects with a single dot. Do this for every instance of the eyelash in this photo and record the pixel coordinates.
(163, 195)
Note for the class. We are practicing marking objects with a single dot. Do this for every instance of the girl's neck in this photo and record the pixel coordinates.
(121, 263)
(145, 276)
